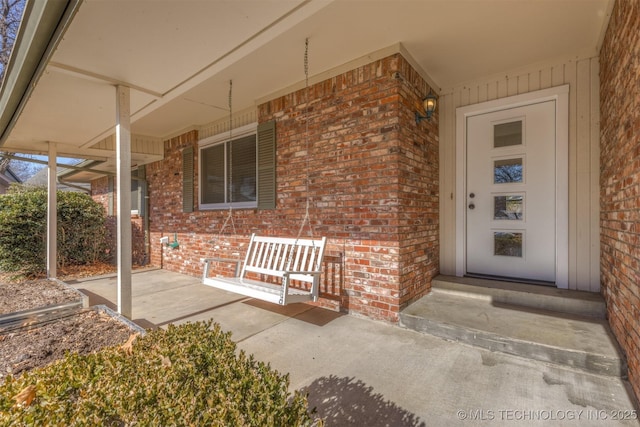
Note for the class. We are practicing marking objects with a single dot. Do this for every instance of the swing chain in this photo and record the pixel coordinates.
(229, 218)
(306, 66)
(306, 218)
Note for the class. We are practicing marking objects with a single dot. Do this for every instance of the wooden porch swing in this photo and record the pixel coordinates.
(275, 269)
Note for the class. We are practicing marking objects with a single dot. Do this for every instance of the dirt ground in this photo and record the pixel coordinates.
(33, 294)
(40, 344)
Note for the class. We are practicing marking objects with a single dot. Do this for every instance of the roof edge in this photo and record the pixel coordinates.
(43, 24)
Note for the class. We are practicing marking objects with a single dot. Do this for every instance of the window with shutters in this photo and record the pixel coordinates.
(240, 171)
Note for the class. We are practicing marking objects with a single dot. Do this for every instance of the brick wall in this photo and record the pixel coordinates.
(372, 178)
(620, 179)
(101, 194)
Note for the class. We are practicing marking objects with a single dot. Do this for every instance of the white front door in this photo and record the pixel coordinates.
(511, 193)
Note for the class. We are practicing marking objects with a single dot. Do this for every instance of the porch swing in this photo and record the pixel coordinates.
(278, 270)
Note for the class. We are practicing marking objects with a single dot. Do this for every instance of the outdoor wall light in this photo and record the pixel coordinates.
(429, 105)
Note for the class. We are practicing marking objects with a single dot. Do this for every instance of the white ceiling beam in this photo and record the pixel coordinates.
(70, 151)
(89, 75)
(64, 150)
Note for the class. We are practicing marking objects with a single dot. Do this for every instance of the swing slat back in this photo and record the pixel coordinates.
(276, 255)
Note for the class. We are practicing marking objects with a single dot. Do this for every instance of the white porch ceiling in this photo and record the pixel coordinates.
(178, 56)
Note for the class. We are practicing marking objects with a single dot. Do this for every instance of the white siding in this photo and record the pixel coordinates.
(139, 144)
(240, 118)
(584, 133)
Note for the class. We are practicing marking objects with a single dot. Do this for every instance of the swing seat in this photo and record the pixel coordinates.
(277, 270)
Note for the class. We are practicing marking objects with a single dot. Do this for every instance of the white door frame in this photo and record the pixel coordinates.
(559, 94)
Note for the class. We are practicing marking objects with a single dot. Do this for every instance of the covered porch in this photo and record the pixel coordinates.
(160, 85)
(343, 362)
(145, 87)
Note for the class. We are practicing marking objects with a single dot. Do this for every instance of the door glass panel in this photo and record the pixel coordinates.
(507, 244)
(508, 207)
(507, 134)
(507, 170)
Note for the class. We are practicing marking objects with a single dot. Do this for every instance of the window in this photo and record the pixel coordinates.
(507, 134)
(507, 171)
(229, 172)
(508, 243)
(138, 192)
(135, 193)
(508, 207)
(239, 172)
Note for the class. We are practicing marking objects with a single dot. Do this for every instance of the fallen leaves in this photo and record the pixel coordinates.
(165, 361)
(26, 396)
(128, 346)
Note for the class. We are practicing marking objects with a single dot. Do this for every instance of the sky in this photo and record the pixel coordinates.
(26, 170)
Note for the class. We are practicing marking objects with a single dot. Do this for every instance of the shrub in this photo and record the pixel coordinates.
(23, 230)
(187, 375)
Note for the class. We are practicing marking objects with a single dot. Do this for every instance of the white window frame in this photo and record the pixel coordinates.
(222, 138)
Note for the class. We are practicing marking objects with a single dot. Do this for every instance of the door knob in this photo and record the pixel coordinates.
(472, 195)
(472, 206)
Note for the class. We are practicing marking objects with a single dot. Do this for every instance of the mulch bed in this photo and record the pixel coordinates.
(84, 333)
(40, 343)
(33, 294)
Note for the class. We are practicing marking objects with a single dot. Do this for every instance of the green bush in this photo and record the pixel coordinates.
(23, 230)
(188, 375)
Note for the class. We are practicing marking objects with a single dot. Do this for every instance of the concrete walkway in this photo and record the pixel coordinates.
(365, 373)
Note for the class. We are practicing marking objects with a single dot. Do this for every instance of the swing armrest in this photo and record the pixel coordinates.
(220, 259)
(314, 283)
(207, 261)
(313, 273)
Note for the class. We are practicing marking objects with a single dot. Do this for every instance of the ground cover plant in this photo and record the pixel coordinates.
(190, 374)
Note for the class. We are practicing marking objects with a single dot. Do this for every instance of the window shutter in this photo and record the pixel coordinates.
(135, 191)
(187, 179)
(142, 190)
(110, 198)
(267, 165)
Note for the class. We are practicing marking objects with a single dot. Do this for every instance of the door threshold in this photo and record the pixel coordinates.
(512, 280)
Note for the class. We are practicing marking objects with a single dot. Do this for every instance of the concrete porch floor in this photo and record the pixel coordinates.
(362, 372)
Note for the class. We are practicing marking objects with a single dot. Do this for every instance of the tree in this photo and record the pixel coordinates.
(10, 17)
(4, 163)
(24, 169)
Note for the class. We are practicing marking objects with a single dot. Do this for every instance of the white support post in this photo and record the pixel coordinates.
(52, 213)
(123, 159)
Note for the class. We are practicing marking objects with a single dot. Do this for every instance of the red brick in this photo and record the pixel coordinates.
(373, 173)
(620, 179)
